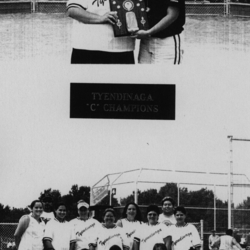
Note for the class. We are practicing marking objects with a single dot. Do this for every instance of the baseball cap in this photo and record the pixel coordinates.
(168, 198)
(82, 203)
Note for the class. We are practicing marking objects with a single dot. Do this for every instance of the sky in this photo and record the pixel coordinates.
(41, 147)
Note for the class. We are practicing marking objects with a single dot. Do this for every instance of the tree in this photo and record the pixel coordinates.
(56, 195)
(170, 189)
(75, 194)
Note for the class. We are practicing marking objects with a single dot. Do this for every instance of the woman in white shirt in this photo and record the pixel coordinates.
(85, 228)
(111, 237)
(153, 235)
(30, 229)
(58, 233)
(184, 235)
(131, 221)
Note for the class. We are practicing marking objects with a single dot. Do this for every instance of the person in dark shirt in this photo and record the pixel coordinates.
(162, 42)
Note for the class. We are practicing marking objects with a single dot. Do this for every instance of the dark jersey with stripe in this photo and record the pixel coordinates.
(158, 10)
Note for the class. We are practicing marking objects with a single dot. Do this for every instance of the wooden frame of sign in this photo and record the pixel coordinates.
(129, 12)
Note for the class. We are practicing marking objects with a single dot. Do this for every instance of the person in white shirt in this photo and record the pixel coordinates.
(111, 237)
(227, 242)
(184, 235)
(85, 228)
(212, 238)
(29, 232)
(167, 217)
(131, 221)
(48, 213)
(153, 235)
(58, 233)
(93, 38)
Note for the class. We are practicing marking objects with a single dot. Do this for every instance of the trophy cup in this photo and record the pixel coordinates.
(132, 16)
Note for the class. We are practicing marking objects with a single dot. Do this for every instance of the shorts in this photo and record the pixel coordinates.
(161, 50)
(101, 57)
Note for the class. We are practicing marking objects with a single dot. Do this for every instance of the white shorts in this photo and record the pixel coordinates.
(161, 51)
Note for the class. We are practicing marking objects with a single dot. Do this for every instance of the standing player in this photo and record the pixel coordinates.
(48, 213)
(212, 238)
(111, 237)
(162, 43)
(153, 235)
(29, 232)
(227, 242)
(58, 234)
(93, 38)
(184, 235)
(85, 228)
(131, 221)
(167, 217)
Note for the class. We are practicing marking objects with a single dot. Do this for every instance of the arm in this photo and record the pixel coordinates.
(84, 16)
(47, 244)
(236, 244)
(72, 246)
(21, 228)
(136, 245)
(215, 242)
(210, 242)
(172, 15)
(168, 242)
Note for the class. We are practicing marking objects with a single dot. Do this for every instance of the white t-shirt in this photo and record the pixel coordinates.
(130, 228)
(85, 232)
(109, 237)
(211, 240)
(59, 233)
(226, 242)
(33, 235)
(169, 219)
(185, 237)
(47, 216)
(149, 235)
(97, 36)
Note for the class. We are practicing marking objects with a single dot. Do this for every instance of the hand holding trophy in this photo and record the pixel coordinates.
(131, 16)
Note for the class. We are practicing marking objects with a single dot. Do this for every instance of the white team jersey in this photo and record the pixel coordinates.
(109, 237)
(226, 242)
(185, 237)
(33, 235)
(170, 219)
(130, 228)
(85, 232)
(59, 233)
(149, 235)
(97, 36)
(47, 216)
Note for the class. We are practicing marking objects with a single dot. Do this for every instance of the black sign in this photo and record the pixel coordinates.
(122, 101)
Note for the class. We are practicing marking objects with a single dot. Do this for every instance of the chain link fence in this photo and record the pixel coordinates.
(240, 8)
(7, 231)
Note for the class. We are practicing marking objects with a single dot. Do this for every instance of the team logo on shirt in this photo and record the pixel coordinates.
(109, 238)
(151, 235)
(130, 234)
(182, 237)
(45, 219)
(98, 2)
(85, 229)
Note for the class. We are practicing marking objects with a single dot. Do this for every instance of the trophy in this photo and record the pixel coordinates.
(132, 16)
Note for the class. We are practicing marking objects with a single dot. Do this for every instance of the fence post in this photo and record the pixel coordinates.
(202, 237)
